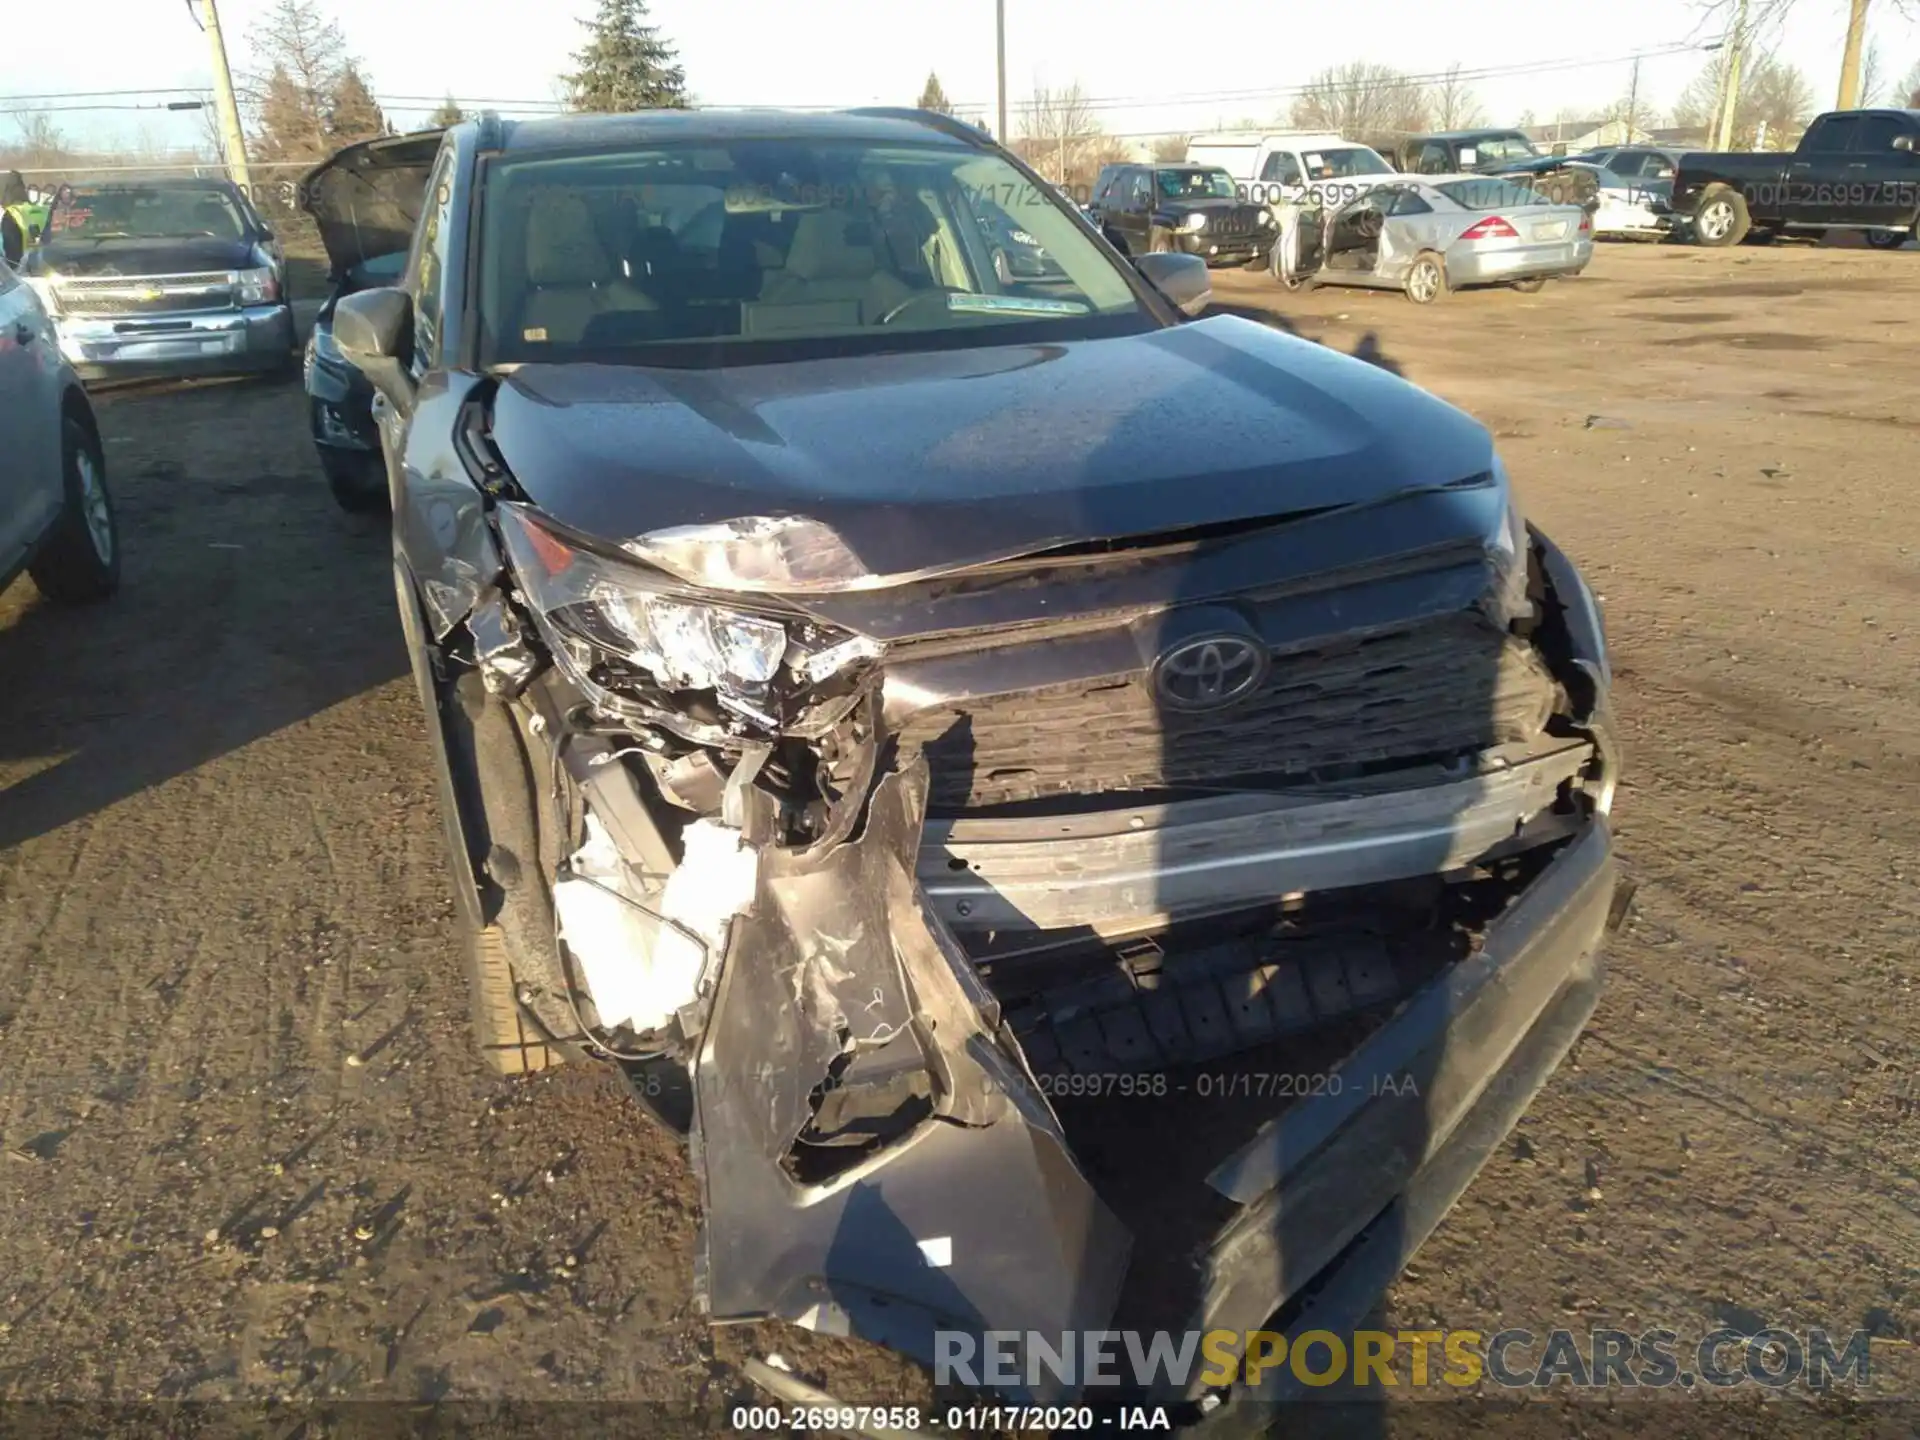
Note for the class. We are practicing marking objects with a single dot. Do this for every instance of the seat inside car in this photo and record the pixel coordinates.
(571, 279)
(833, 279)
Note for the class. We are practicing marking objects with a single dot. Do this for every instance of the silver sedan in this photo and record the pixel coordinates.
(1433, 235)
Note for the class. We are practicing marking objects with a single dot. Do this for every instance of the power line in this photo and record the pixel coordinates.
(1206, 97)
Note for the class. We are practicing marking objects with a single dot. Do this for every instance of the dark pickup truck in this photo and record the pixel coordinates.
(1853, 170)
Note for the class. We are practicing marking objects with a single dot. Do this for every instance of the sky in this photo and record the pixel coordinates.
(1133, 56)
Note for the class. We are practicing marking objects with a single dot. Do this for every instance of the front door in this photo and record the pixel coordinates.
(32, 485)
(1883, 183)
(1818, 178)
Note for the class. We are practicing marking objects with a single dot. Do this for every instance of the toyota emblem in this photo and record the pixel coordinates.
(1209, 674)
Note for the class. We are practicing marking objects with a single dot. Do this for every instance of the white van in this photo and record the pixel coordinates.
(1285, 165)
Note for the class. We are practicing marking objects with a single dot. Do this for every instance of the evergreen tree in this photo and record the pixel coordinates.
(352, 113)
(625, 65)
(932, 97)
(449, 113)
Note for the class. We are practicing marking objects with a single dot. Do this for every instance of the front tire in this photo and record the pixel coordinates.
(1888, 239)
(1426, 280)
(80, 559)
(1722, 218)
(357, 479)
(1532, 285)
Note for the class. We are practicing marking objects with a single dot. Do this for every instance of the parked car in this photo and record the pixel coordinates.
(1189, 209)
(378, 186)
(1291, 164)
(1451, 152)
(1016, 254)
(1437, 234)
(1621, 208)
(867, 694)
(163, 277)
(1852, 170)
(1652, 166)
(56, 514)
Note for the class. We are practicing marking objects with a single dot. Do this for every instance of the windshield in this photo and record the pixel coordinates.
(1498, 149)
(1343, 163)
(737, 251)
(113, 212)
(1195, 184)
(1488, 194)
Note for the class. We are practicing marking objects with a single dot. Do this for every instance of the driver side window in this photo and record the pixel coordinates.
(1281, 168)
(426, 265)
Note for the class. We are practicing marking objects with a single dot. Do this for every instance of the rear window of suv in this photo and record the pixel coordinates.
(751, 250)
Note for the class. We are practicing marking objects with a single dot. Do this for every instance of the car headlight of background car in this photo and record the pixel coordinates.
(1196, 221)
(619, 629)
(258, 286)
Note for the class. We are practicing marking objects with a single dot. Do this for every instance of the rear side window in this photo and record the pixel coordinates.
(1434, 159)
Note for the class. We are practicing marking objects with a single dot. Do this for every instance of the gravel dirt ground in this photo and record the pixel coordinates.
(250, 1152)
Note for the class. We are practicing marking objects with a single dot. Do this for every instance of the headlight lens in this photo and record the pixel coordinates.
(1508, 549)
(607, 621)
(1194, 222)
(788, 554)
(258, 286)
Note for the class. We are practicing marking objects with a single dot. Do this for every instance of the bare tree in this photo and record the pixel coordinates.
(1363, 101)
(1060, 136)
(1907, 92)
(1770, 91)
(1455, 106)
(1763, 17)
(306, 93)
(1873, 73)
(41, 146)
(1171, 148)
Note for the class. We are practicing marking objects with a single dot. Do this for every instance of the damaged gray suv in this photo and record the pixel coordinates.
(1101, 813)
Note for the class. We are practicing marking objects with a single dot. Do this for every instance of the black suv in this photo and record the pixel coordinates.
(1190, 209)
(943, 724)
(1456, 152)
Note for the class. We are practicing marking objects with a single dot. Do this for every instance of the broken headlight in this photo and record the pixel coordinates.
(783, 553)
(610, 623)
(1508, 550)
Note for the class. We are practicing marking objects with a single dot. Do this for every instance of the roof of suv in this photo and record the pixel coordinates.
(654, 126)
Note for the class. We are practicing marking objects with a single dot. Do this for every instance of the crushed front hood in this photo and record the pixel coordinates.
(930, 461)
(367, 197)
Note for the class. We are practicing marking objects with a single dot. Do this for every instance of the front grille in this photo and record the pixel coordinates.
(146, 295)
(1451, 685)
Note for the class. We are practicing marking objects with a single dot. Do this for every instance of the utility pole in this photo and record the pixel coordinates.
(233, 139)
(1000, 64)
(1722, 136)
(1850, 58)
(1633, 101)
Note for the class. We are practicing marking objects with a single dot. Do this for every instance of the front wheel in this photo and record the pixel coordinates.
(1722, 218)
(80, 560)
(1426, 279)
(357, 478)
(1533, 285)
(1888, 239)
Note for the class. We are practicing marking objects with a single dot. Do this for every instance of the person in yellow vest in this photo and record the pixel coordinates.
(15, 226)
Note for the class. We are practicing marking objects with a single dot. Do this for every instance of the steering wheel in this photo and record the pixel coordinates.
(919, 297)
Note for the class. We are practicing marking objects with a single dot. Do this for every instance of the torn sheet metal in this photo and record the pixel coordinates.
(976, 1217)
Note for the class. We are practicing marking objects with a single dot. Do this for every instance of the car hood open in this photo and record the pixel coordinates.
(366, 199)
(926, 462)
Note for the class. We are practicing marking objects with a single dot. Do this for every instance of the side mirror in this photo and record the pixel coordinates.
(1903, 142)
(374, 330)
(1181, 278)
